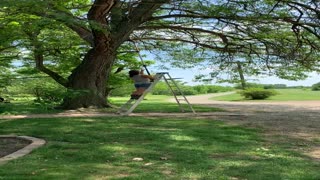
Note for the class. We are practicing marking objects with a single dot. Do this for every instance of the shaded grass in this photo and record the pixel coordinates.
(283, 95)
(104, 148)
(26, 107)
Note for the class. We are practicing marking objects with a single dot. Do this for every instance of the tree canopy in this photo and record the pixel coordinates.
(77, 42)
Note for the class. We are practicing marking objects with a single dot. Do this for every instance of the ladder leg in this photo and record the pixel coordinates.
(181, 92)
(174, 94)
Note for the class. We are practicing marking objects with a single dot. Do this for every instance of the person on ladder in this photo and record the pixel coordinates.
(141, 82)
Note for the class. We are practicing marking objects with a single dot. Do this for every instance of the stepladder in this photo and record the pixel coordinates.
(178, 94)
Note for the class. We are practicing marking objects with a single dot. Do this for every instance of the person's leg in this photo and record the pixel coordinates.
(142, 88)
(136, 92)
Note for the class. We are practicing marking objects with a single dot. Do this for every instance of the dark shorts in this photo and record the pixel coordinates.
(145, 85)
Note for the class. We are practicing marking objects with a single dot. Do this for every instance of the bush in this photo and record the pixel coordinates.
(123, 91)
(49, 94)
(316, 87)
(216, 89)
(188, 90)
(257, 93)
(201, 89)
(161, 89)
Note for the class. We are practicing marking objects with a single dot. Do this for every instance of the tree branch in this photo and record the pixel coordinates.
(221, 35)
(39, 58)
(139, 14)
(204, 45)
(67, 18)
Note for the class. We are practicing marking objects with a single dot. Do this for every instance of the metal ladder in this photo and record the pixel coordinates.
(130, 105)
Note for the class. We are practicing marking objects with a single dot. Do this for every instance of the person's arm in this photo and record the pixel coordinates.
(147, 76)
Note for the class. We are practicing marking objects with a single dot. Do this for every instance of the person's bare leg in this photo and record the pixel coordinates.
(140, 91)
(136, 92)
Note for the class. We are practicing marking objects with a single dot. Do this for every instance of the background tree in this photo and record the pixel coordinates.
(270, 38)
(316, 87)
(274, 33)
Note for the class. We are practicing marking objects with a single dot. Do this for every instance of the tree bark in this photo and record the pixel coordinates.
(87, 84)
(240, 71)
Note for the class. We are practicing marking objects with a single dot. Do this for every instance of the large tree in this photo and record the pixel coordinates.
(273, 33)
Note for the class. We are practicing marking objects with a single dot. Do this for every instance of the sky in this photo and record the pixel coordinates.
(187, 75)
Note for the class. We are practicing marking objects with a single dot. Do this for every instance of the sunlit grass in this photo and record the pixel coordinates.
(160, 104)
(147, 148)
(283, 95)
(150, 148)
(152, 103)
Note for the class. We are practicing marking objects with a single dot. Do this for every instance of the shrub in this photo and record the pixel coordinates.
(316, 87)
(188, 90)
(49, 94)
(257, 93)
(123, 91)
(201, 89)
(161, 89)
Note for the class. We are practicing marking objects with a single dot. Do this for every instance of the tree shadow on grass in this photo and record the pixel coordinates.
(106, 148)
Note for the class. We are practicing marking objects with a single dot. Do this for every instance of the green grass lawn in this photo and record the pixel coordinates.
(283, 95)
(152, 103)
(171, 148)
(160, 104)
(26, 105)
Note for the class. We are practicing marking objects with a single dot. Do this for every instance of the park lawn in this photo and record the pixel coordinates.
(283, 95)
(170, 148)
(153, 103)
(160, 104)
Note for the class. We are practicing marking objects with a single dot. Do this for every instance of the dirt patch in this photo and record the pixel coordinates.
(9, 145)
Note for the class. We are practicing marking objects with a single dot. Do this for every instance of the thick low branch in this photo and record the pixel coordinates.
(99, 24)
(39, 58)
(100, 9)
(137, 16)
(68, 19)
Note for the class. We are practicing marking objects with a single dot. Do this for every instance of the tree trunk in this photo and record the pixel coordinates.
(240, 71)
(87, 83)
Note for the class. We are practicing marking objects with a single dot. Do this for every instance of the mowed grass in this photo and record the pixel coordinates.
(161, 104)
(283, 95)
(152, 103)
(150, 148)
(19, 107)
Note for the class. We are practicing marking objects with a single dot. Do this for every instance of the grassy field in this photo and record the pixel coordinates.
(150, 148)
(159, 103)
(150, 104)
(283, 95)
